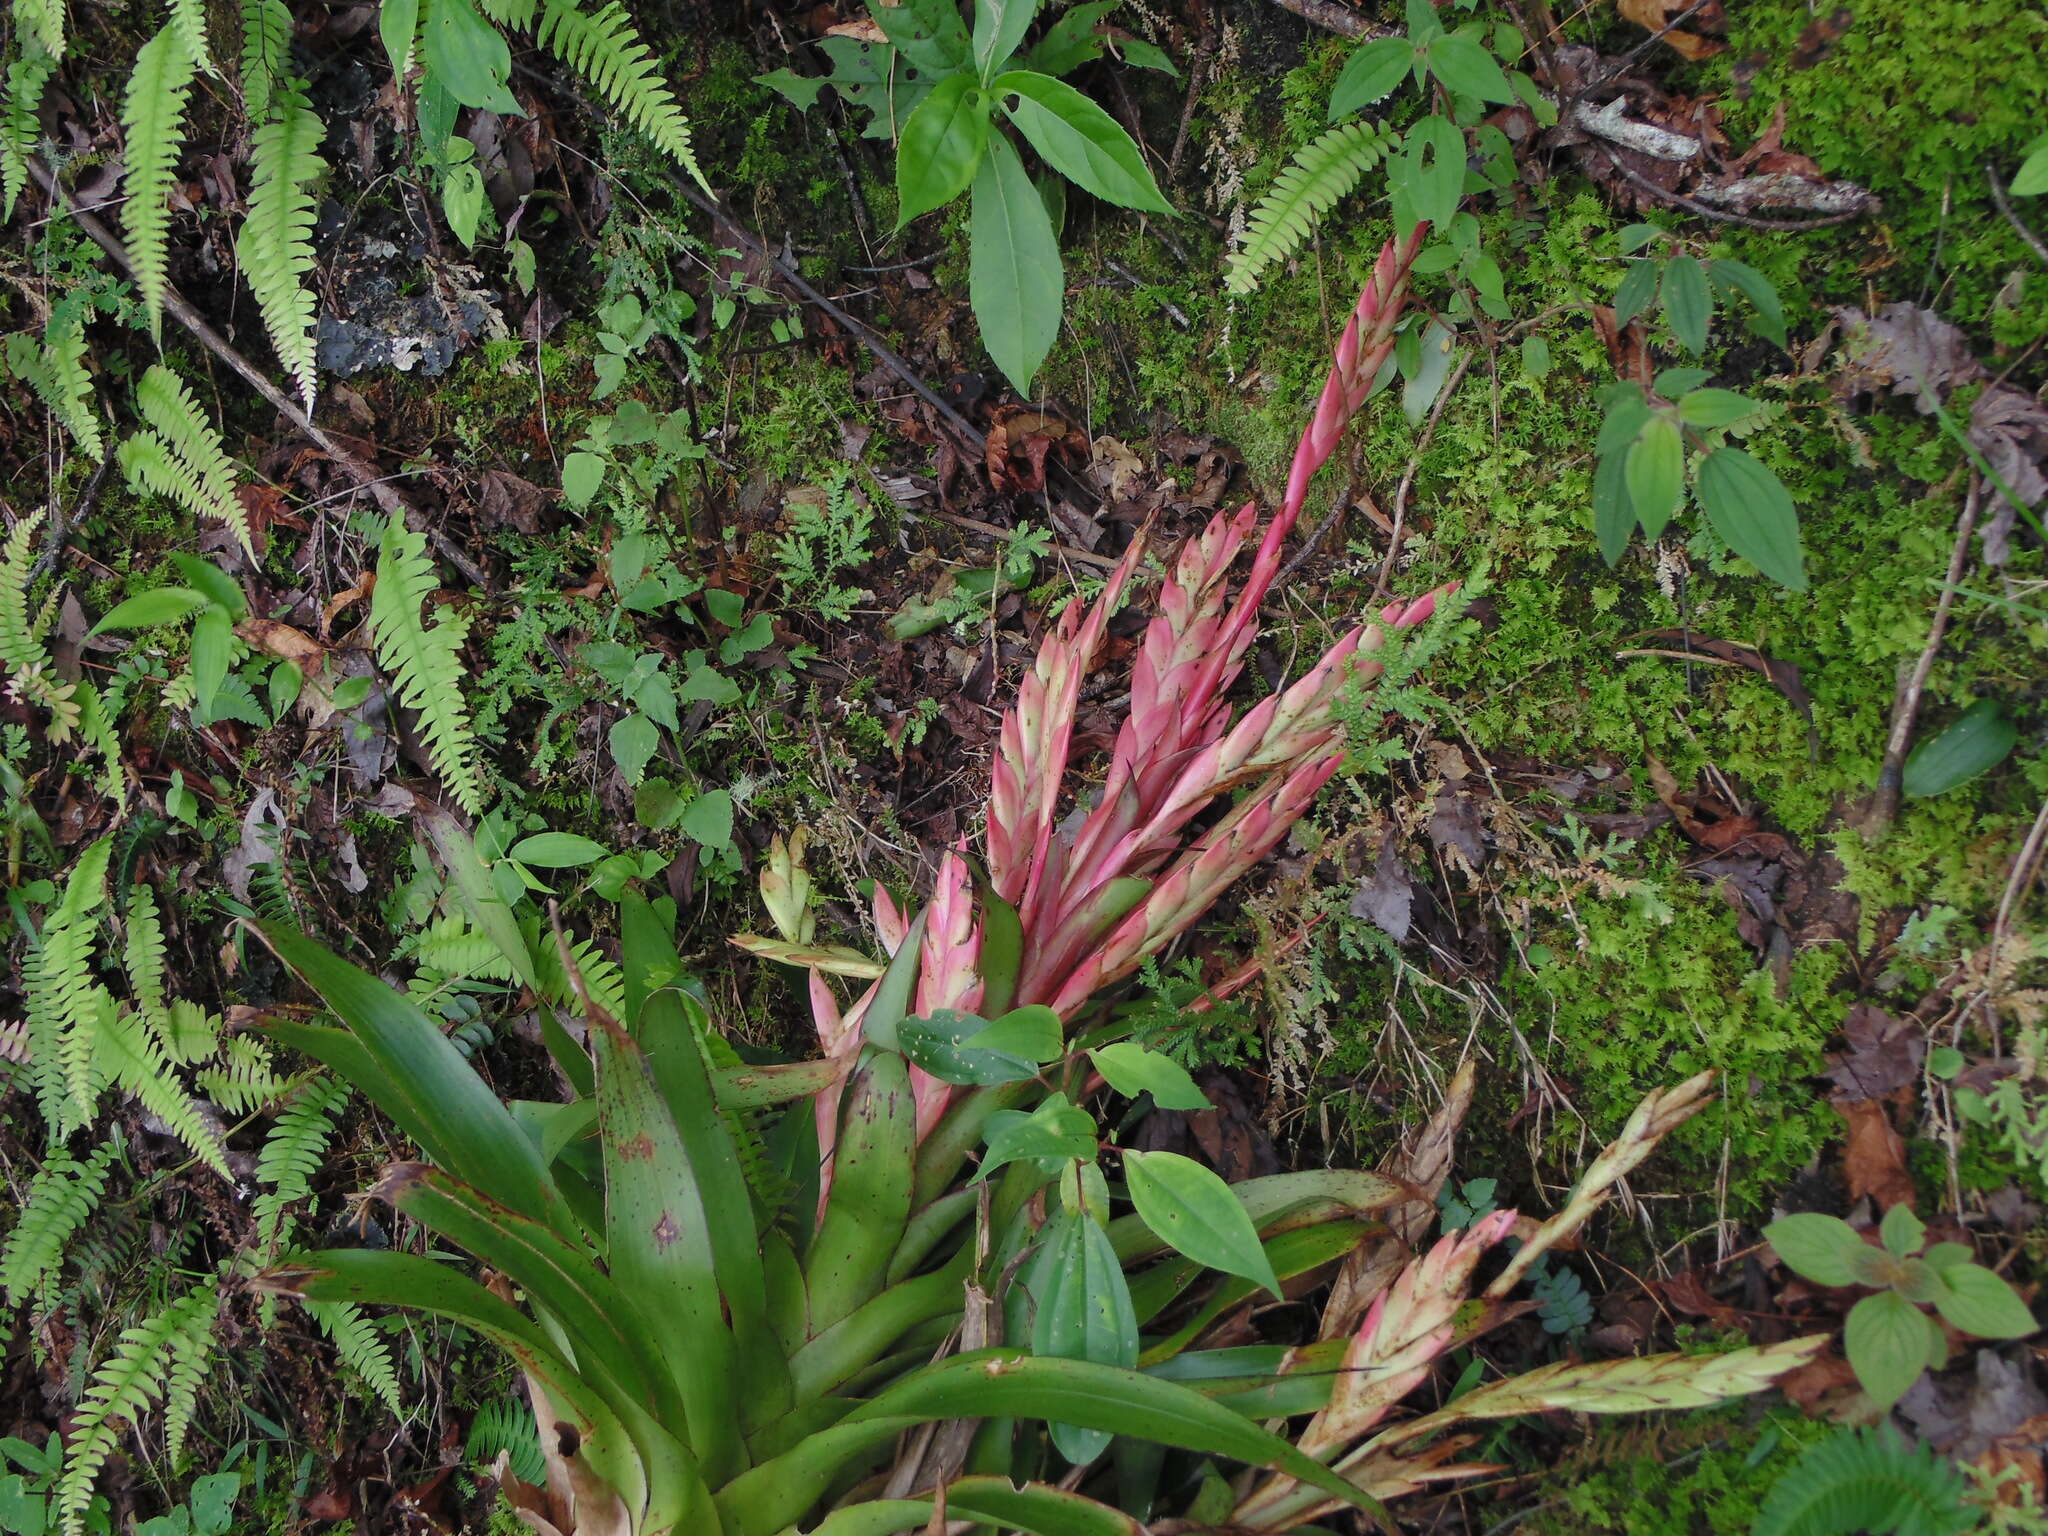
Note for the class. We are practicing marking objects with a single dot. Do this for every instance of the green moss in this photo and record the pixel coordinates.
(1912, 102)
(1702, 1474)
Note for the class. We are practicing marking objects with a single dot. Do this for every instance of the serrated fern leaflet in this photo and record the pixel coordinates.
(152, 120)
(425, 660)
(1321, 172)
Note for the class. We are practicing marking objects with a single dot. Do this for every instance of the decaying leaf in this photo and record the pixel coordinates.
(1884, 1054)
(1690, 36)
(1874, 1157)
(1915, 353)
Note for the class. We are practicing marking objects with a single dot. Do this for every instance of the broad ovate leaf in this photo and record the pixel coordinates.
(941, 147)
(1823, 1249)
(1014, 277)
(1654, 473)
(1370, 74)
(1194, 1211)
(1885, 1339)
(1079, 140)
(1751, 509)
(1977, 1301)
(1132, 1069)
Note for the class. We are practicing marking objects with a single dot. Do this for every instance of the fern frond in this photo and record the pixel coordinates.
(43, 22)
(190, 1032)
(21, 635)
(1868, 1480)
(152, 120)
(190, 1350)
(66, 1005)
(452, 948)
(266, 54)
(504, 1427)
(27, 73)
(1321, 172)
(70, 401)
(127, 1383)
(361, 1350)
(247, 1079)
(56, 372)
(95, 725)
(20, 644)
(275, 247)
(517, 14)
(425, 659)
(60, 1197)
(189, 17)
(184, 458)
(606, 48)
(292, 1153)
(602, 979)
(142, 958)
(139, 1065)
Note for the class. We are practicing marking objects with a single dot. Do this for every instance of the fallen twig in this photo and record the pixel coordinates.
(1906, 708)
(1725, 215)
(2004, 205)
(1331, 17)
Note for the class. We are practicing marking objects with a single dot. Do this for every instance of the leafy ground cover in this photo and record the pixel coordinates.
(716, 521)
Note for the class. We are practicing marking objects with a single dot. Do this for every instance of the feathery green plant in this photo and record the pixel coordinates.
(180, 454)
(152, 122)
(60, 1197)
(1869, 1482)
(21, 636)
(424, 659)
(56, 372)
(158, 1360)
(275, 246)
(1322, 172)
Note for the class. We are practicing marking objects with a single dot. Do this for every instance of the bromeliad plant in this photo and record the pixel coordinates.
(711, 1347)
(937, 87)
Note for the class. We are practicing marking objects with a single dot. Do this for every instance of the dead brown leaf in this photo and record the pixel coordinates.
(1884, 1054)
(1874, 1156)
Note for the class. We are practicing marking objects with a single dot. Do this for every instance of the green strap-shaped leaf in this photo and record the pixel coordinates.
(616, 1349)
(992, 1383)
(668, 1028)
(1079, 140)
(1035, 1508)
(1014, 277)
(872, 1168)
(847, 1348)
(659, 1248)
(428, 1082)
